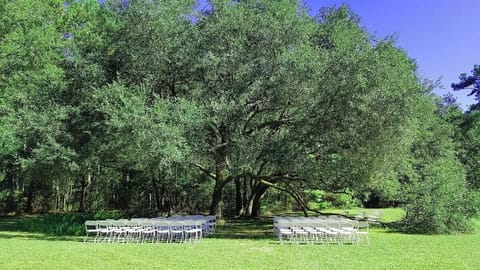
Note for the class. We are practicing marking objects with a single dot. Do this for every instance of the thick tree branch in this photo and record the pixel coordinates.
(292, 193)
(204, 170)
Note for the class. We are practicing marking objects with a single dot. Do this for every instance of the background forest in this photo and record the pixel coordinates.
(244, 107)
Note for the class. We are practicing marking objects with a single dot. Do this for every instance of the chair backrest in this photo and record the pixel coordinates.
(117, 223)
(283, 224)
(102, 224)
(211, 219)
(91, 224)
(317, 223)
(344, 224)
(188, 223)
(146, 223)
(198, 224)
(138, 219)
(321, 225)
(355, 223)
(305, 225)
(176, 225)
(331, 225)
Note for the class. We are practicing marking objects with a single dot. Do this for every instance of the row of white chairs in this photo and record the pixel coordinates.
(179, 229)
(321, 230)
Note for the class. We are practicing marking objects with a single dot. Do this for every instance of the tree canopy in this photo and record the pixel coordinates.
(159, 107)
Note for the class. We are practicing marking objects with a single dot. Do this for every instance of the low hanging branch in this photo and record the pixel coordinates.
(297, 197)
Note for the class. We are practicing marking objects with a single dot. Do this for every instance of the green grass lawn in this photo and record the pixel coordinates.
(240, 244)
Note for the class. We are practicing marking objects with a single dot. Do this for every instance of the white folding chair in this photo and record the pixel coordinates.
(91, 227)
(193, 230)
(212, 223)
(331, 231)
(314, 235)
(148, 231)
(362, 232)
(162, 230)
(117, 231)
(104, 232)
(346, 232)
(177, 233)
(299, 234)
(283, 232)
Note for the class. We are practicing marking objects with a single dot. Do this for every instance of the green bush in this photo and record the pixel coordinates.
(439, 200)
(319, 200)
(11, 201)
(64, 224)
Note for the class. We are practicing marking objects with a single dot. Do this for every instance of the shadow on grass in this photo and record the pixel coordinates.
(9, 229)
(251, 229)
(36, 236)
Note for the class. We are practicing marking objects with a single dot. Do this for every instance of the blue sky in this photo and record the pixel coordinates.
(442, 36)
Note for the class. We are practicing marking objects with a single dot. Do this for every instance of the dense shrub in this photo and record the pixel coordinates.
(439, 201)
(64, 224)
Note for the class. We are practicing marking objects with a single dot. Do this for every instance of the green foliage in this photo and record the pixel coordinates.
(320, 200)
(151, 135)
(63, 224)
(440, 201)
(317, 200)
(469, 139)
(30, 75)
(155, 106)
(437, 195)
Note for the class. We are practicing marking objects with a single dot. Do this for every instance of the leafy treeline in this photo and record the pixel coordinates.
(162, 106)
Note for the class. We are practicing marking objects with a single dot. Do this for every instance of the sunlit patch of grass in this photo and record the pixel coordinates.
(387, 251)
(387, 215)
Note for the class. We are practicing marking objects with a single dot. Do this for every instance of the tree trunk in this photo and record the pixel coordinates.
(12, 177)
(57, 198)
(83, 188)
(238, 197)
(220, 180)
(260, 192)
(156, 193)
(29, 205)
(245, 196)
(164, 205)
(215, 207)
(80, 208)
(252, 208)
(124, 196)
(66, 198)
